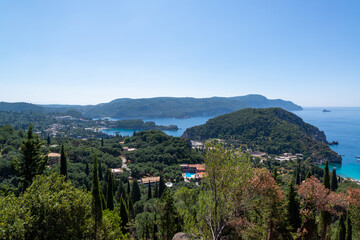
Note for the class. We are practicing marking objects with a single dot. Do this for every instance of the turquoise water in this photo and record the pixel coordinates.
(189, 175)
(182, 124)
(341, 124)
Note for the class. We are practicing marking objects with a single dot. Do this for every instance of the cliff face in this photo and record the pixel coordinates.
(271, 130)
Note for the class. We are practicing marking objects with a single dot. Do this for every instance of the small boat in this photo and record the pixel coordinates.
(357, 156)
(326, 110)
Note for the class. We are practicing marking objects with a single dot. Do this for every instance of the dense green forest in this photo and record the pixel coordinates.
(242, 197)
(272, 130)
(161, 107)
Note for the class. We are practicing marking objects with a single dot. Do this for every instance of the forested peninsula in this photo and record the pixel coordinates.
(272, 130)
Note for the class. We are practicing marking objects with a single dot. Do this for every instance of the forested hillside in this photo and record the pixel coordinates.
(272, 130)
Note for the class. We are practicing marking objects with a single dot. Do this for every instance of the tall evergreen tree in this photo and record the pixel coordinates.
(63, 162)
(149, 191)
(348, 227)
(168, 216)
(293, 209)
(31, 162)
(326, 178)
(96, 197)
(155, 229)
(341, 229)
(275, 174)
(48, 140)
(297, 177)
(120, 193)
(161, 186)
(100, 172)
(110, 192)
(156, 190)
(308, 175)
(135, 195)
(334, 181)
(131, 209)
(128, 188)
(103, 200)
(102, 142)
(87, 171)
(123, 214)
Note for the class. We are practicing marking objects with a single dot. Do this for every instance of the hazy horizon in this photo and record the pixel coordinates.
(90, 52)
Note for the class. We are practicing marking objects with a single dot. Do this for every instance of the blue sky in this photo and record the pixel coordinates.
(88, 52)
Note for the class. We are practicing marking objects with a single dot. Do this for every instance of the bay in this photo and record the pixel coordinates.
(340, 124)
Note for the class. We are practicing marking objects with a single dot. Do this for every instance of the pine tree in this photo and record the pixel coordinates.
(135, 195)
(161, 186)
(156, 192)
(341, 229)
(308, 175)
(348, 227)
(100, 172)
(110, 192)
(96, 197)
(31, 162)
(149, 191)
(293, 207)
(123, 214)
(334, 182)
(63, 162)
(326, 179)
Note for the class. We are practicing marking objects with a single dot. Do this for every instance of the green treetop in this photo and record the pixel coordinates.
(31, 162)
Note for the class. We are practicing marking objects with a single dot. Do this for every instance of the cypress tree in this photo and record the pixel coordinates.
(31, 162)
(48, 140)
(102, 142)
(103, 201)
(110, 192)
(149, 191)
(131, 209)
(297, 177)
(123, 214)
(96, 197)
(334, 182)
(120, 193)
(128, 188)
(63, 162)
(161, 186)
(293, 207)
(155, 230)
(100, 172)
(308, 175)
(156, 192)
(348, 227)
(341, 229)
(135, 195)
(275, 174)
(87, 171)
(326, 179)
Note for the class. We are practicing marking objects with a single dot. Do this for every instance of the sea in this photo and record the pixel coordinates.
(340, 124)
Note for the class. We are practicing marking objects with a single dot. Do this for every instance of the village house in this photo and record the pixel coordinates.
(152, 180)
(53, 158)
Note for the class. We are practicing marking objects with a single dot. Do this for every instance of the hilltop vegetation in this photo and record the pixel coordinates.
(271, 130)
(160, 107)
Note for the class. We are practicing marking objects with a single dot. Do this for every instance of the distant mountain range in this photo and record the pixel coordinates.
(160, 107)
(272, 130)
